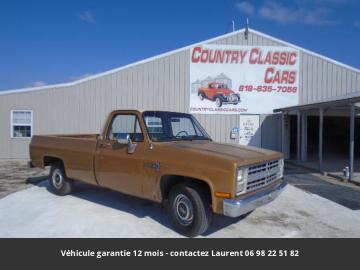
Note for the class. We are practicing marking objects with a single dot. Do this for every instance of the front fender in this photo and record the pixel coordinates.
(217, 203)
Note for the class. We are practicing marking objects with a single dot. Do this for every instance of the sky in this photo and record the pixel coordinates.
(47, 42)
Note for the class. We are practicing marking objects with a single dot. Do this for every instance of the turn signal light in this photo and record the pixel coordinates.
(222, 194)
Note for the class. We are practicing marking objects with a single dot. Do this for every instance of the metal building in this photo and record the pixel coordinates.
(164, 83)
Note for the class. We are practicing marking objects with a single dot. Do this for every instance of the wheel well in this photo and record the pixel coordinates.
(48, 161)
(169, 181)
(219, 96)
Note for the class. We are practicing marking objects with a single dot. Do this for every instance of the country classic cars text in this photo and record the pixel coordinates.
(252, 56)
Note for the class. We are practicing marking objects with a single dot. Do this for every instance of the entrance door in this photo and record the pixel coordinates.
(249, 130)
(115, 167)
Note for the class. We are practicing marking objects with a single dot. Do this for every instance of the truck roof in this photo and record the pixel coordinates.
(144, 110)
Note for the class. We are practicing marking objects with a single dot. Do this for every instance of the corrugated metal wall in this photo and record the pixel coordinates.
(161, 84)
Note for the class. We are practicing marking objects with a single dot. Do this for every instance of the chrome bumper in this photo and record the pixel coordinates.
(236, 208)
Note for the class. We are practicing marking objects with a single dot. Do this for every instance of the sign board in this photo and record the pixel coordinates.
(231, 79)
(250, 131)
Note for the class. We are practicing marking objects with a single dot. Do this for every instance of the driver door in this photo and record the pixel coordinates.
(115, 168)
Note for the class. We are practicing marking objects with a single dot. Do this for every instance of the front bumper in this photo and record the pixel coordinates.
(236, 208)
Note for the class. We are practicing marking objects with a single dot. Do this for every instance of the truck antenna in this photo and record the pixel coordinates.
(247, 29)
(233, 25)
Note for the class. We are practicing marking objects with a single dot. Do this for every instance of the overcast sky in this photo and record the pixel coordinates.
(47, 42)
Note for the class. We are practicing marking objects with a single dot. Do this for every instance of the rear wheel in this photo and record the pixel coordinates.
(189, 209)
(59, 183)
(201, 96)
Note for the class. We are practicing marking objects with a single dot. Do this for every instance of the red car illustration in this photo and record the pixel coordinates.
(220, 93)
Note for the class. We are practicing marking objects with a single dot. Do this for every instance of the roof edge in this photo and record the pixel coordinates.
(349, 98)
(306, 51)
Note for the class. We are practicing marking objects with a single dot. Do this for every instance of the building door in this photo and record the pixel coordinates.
(249, 130)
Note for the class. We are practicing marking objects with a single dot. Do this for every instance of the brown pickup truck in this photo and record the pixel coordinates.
(164, 156)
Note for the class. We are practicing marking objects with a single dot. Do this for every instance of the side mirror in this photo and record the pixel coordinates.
(131, 147)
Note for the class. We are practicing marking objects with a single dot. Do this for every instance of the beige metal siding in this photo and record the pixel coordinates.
(162, 84)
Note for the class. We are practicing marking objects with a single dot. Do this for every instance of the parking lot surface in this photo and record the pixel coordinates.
(98, 212)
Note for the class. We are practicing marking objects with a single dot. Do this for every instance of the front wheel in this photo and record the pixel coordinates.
(189, 209)
(59, 183)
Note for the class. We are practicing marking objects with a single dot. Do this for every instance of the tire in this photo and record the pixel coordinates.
(189, 209)
(59, 183)
(201, 96)
(218, 102)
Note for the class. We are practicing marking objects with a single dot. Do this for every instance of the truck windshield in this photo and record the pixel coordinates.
(170, 126)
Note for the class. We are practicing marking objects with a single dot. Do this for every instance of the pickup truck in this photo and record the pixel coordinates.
(164, 157)
(220, 93)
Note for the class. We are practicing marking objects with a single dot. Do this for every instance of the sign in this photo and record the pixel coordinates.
(229, 79)
(250, 133)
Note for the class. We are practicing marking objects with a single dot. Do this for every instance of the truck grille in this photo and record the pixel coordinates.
(263, 174)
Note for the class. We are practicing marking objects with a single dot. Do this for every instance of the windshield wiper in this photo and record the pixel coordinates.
(203, 138)
(195, 137)
(182, 138)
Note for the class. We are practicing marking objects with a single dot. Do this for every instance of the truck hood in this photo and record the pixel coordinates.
(236, 153)
(225, 91)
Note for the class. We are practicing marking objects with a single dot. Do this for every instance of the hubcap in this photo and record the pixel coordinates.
(234, 98)
(183, 209)
(57, 178)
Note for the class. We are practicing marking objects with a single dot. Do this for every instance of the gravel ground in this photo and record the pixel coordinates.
(13, 176)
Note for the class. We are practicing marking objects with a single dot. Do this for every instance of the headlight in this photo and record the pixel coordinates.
(241, 179)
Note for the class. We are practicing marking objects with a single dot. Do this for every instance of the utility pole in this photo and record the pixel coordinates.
(247, 29)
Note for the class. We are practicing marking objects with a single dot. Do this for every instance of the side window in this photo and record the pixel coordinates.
(21, 123)
(154, 124)
(124, 125)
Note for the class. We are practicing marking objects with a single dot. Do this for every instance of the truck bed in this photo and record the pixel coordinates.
(76, 152)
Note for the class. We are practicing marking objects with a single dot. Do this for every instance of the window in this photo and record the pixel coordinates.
(182, 126)
(124, 125)
(171, 126)
(154, 124)
(21, 124)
